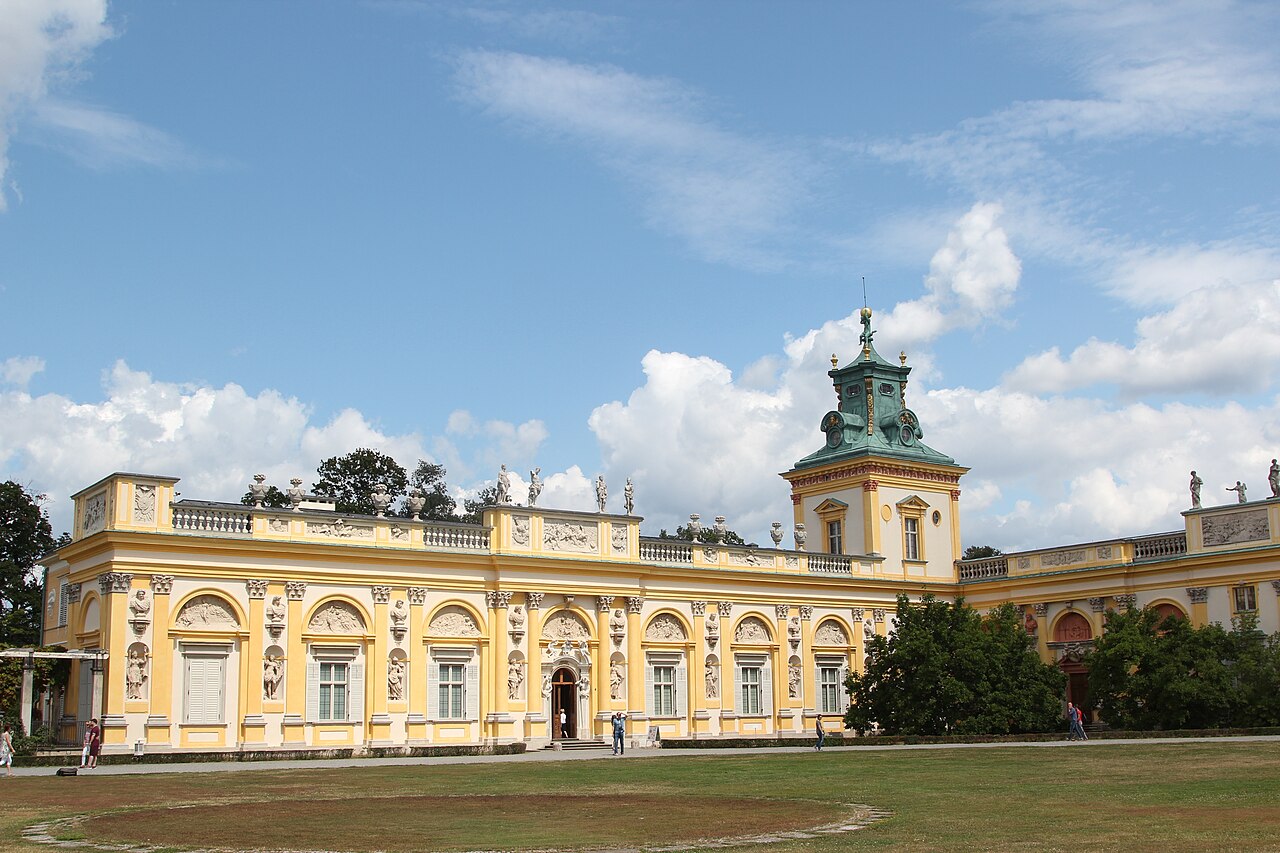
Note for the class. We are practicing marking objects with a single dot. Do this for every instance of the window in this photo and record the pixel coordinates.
(911, 530)
(749, 677)
(453, 691)
(829, 690)
(64, 600)
(833, 538)
(664, 691)
(1246, 598)
(204, 677)
(333, 691)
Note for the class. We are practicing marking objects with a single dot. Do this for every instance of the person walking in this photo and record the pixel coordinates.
(6, 750)
(95, 744)
(619, 734)
(1073, 720)
(564, 724)
(1080, 724)
(822, 735)
(84, 752)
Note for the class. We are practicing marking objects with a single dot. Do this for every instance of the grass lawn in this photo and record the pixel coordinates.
(1175, 796)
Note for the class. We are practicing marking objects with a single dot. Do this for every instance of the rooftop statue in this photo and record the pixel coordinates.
(1196, 483)
(1239, 489)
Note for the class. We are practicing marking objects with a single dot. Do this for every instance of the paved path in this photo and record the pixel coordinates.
(604, 755)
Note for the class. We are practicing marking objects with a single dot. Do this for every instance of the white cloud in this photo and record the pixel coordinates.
(728, 196)
(41, 42)
(971, 279)
(1216, 340)
(101, 139)
(20, 370)
(1163, 275)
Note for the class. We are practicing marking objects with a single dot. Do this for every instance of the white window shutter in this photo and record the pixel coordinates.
(648, 691)
(433, 690)
(766, 689)
(844, 688)
(313, 691)
(355, 693)
(681, 690)
(64, 601)
(195, 688)
(472, 698)
(737, 689)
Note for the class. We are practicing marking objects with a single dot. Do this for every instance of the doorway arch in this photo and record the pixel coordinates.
(564, 699)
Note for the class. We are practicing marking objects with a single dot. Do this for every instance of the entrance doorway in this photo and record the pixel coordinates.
(564, 697)
(1078, 687)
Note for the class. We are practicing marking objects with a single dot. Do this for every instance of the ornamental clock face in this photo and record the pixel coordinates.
(835, 437)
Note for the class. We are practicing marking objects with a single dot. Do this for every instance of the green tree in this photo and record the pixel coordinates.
(474, 514)
(706, 535)
(25, 537)
(47, 672)
(428, 478)
(947, 670)
(979, 552)
(350, 479)
(274, 499)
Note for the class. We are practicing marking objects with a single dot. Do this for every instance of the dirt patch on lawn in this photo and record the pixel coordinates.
(405, 824)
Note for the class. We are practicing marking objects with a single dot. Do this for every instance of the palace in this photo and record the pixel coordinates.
(230, 627)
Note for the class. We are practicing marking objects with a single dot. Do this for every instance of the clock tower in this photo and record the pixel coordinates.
(875, 487)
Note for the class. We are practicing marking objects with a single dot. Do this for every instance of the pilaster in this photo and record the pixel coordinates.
(295, 668)
(636, 719)
(700, 720)
(158, 721)
(502, 724)
(115, 587)
(1199, 596)
(378, 731)
(416, 721)
(871, 516)
(808, 701)
(254, 725)
(534, 699)
(602, 694)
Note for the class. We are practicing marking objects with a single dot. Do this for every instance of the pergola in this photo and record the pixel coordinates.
(97, 656)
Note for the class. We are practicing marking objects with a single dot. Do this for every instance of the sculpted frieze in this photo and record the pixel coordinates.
(95, 514)
(1248, 526)
(1064, 558)
(339, 530)
(336, 617)
(520, 529)
(665, 628)
(454, 621)
(565, 626)
(144, 504)
(751, 630)
(618, 537)
(751, 559)
(207, 611)
(830, 633)
(572, 536)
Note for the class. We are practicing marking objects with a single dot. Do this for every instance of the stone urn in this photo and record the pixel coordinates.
(295, 494)
(801, 536)
(258, 489)
(381, 500)
(775, 533)
(416, 502)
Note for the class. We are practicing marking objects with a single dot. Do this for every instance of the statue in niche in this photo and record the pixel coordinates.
(546, 685)
(617, 672)
(629, 497)
(868, 631)
(1196, 483)
(135, 674)
(140, 606)
(602, 492)
(713, 626)
(1273, 478)
(1239, 488)
(275, 611)
(272, 677)
(516, 618)
(793, 628)
(515, 679)
(395, 679)
(712, 678)
(793, 681)
(399, 613)
(535, 486)
(503, 495)
(584, 684)
(617, 624)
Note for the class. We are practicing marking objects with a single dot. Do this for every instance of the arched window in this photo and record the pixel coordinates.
(1072, 628)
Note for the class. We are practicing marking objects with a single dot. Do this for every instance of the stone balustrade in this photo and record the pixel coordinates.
(222, 522)
(666, 551)
(830, 564)
(459, 537)
(1159, 547)
(984, 569)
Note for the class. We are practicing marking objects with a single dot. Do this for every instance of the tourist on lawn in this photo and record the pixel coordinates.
(1073, 720)
(1080, 723)
(619, 733)
(6, 750)
(822, 735)
(84, 752)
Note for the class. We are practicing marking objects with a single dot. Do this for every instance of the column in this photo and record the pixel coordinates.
(956, 549)
(879, 617)
(728, 700)
(700, 719)
(600, 689)
(808, 669)
(115, 588)
(637, 721)
(1276, 586)
(536, 706)
(159, 731)
(254, 726)
(378, 731)
(1097, 609)
(1199, 596)
(871, 516)
(1042, 631)
(859, 638)
(416, 722)
(783, 704)
(502, 724)
(295, 669)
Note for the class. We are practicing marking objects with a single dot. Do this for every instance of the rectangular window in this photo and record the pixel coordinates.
(911, 526)
(452, 691)
(834, 545)
(205, 677)
(829, 690)
(750, 679)
(64, 601)
(333, 691)
(1246, 599)
(664, 691)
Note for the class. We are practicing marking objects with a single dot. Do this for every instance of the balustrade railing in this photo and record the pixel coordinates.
(1155, 547)
(830, 564)
(208, 520)
(663, 551)
(460, 536)
(977, 570)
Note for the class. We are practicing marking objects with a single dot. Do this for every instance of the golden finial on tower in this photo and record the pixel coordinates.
(902, 358)
(835, 362)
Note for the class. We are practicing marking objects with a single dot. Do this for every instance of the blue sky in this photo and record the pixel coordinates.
(627, 237)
